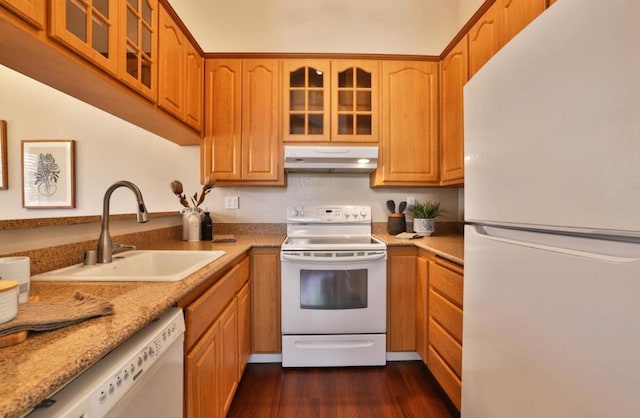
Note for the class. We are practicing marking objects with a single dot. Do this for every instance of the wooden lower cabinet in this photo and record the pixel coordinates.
(266, 335)
(422, 303)
(216, 343)
(401, 299)
(202, 364)
(445, 302)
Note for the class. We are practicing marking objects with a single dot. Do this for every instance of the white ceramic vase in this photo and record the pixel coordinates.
(423, 227)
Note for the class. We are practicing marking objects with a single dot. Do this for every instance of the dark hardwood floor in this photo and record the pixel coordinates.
(401, 389)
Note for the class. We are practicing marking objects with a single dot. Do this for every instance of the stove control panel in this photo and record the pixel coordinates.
(329, 214)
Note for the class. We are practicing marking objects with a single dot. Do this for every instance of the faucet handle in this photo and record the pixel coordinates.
(116, 247)
(90, 258)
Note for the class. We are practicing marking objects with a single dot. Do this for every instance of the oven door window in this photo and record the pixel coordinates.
(333, 289)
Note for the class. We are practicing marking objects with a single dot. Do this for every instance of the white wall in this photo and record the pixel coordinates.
(109, 149)
(332, 26)
(422, 27)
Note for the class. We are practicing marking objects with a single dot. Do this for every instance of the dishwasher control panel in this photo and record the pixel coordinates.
(96, 391)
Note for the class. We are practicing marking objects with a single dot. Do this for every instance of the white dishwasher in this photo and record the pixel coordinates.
(142, 377)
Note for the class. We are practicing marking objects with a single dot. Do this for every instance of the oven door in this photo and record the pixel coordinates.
(334, 292)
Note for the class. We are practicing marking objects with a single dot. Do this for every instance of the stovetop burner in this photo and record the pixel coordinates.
(330, 227)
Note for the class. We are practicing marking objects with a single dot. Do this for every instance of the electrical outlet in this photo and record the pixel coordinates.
(232, 202)
(411, 200)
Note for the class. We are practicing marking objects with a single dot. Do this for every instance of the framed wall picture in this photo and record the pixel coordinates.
(4, 172)
(48, 174)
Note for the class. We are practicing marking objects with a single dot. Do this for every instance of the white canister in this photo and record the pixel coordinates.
(17, 269)
(8, 300)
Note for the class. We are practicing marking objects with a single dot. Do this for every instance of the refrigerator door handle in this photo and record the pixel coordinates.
(591, 248)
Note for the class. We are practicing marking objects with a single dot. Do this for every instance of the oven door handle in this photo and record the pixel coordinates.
(375, 255)
(334, 344)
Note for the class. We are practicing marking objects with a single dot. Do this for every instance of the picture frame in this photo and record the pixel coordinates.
(4, 171)
(48, 173)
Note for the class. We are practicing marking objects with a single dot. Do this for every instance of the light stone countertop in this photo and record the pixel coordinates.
(38, 367)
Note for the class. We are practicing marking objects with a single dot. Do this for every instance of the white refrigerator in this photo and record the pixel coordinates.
(552, 204)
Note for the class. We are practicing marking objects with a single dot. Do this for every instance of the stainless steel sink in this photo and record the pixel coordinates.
(140, 265)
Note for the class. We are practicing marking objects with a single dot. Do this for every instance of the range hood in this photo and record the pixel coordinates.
(330, 159)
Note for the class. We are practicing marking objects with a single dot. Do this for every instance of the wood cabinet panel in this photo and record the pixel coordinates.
(484, 38)
(180, 73)
(242, 143)
(445, 325)
(244, 327)
(516, 14)
(446, 279)
(202, 365)
(194, 88)
(448, 315)
(409, 146)
(229, 377)
(32, 11)
(447, 347)
(171, 67)
(265, 302)
(422, 306)
(200, 314)
(453, 76)
(449, 382)
(401, 299)
(261, 146)
(222, 145)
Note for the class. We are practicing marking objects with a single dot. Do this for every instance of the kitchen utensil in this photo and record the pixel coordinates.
(396, 223)
(391, 205)
(402, 207)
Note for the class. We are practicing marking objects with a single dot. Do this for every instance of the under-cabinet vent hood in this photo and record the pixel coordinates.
(330, 159)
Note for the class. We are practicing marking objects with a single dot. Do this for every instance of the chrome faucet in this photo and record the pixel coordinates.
(105, 246)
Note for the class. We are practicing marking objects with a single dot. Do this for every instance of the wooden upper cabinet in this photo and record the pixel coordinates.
(222, 146)
(409, 145)
(516, 14)
(453, 76)
(139, 45)
(172, 44)
(306, 100)
(331, 100)
(261, 149)
(484, 38)
(89, 27)
(180, 73)
(194, 87)
(32, 11)
(242, 144)
(354, 100)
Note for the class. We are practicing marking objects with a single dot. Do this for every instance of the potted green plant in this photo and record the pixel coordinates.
(423, 214)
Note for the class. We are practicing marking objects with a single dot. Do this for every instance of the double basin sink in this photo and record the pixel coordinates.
(137, 265)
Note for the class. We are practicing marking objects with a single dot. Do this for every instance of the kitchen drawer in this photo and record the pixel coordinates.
(447, 278)
(204, 310)
(242, 272)
(445, 313)
(449, 349)
(445, 376)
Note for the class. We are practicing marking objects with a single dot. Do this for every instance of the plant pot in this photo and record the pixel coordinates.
(424, 227)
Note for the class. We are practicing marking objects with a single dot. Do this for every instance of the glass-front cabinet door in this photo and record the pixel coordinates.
(306, 100)
(89, 27)
(139, 43)
(354, 101)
